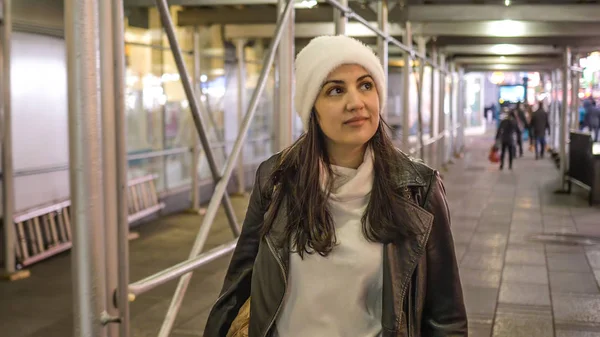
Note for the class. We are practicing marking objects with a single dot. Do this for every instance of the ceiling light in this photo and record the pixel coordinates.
(506, 2)
(506, 28)
(504, 49)
(305, 4)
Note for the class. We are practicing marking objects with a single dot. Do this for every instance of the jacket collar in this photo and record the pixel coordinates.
(406, 172)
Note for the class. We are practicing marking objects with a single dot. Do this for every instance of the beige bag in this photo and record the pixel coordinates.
(239, 326)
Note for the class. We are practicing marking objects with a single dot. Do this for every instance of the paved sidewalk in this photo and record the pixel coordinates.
(513, 286)
(516, 286)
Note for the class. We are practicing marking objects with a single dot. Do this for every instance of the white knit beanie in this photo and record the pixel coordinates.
(323, 55)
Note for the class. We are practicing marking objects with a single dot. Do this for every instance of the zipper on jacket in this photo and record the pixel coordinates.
(284, 282)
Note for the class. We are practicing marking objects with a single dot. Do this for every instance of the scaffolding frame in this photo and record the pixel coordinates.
(95, 48)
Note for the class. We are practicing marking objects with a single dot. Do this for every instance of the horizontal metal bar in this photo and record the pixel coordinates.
(159, 153)
(163, 276)
(39, 170)
(514, 28)
(579, 183)
(481, 12)
(32, 213)
(576, 69)
(141, 180)
(427, 142)
(230, 142)
(156, 46)
(144, 213)
(65, 167)
(47, 253)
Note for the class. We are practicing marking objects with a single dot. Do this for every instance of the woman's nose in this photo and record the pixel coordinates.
(354, 100)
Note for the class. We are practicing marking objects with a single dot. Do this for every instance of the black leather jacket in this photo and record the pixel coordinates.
(422, 294)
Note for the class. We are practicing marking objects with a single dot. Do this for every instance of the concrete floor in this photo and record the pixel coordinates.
(513, 286)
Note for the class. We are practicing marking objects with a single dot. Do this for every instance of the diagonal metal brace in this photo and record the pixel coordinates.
(195, 109)
(221, 186)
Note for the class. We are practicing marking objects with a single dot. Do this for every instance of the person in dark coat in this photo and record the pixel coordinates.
(521, 121)
(592, 117)
(508, 132)
(539, 125)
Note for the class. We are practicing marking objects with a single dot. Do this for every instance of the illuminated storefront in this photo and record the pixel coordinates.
(158, 113)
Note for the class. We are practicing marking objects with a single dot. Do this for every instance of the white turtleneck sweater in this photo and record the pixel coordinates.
(338, 295)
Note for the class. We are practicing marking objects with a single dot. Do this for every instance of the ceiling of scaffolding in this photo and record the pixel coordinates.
(478, 34)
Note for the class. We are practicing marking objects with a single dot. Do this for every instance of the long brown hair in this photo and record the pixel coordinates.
(310, 227)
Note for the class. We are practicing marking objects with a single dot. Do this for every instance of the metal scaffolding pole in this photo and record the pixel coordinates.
(564, 127)
(85, 148)
(219, 192)
(195, 141)
(421, 43)
(8, 192)
(406, 74)
(340, 19)
(554, 112)
(241, 102)
(460, 113)
(169, 27)
(285, 88)
(122, 293)
(442, 113)
(382, 43)
(576, 75)
(452, 111)
(434, 92)
(107, 98)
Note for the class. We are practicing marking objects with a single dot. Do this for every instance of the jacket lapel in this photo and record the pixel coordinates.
(401, 258)
(277, 232)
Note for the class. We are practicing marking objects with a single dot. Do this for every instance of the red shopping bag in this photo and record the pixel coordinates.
(494, 157)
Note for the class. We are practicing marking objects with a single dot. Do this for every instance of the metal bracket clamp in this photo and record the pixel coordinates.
(105, 318)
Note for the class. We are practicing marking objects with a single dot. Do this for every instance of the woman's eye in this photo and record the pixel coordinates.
(367, 86)
(335, 91)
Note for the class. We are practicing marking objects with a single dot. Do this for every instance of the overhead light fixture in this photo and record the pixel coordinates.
(506, 2)
(506, 28)
(305, 4)
(504, 49)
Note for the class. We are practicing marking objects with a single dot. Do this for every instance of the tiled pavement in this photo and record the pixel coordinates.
(513, 286)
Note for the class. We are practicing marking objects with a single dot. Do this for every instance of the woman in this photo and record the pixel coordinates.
(344, 234)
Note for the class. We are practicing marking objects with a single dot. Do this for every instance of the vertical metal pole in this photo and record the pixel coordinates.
(340, 19)
(575, 95)
(442, 113)
(195, 141)
(285, 73)
(406, 74)
(554, 109)
(382, 43)
(121, 165)
(564, 127)
(421, 43)
(85, 161)
(241, 102)
(452, 111)
(434, 92)
(8, 193)
(460, 113)
(107, 97)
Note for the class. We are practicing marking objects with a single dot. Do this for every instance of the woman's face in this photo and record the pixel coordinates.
(347, 106)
